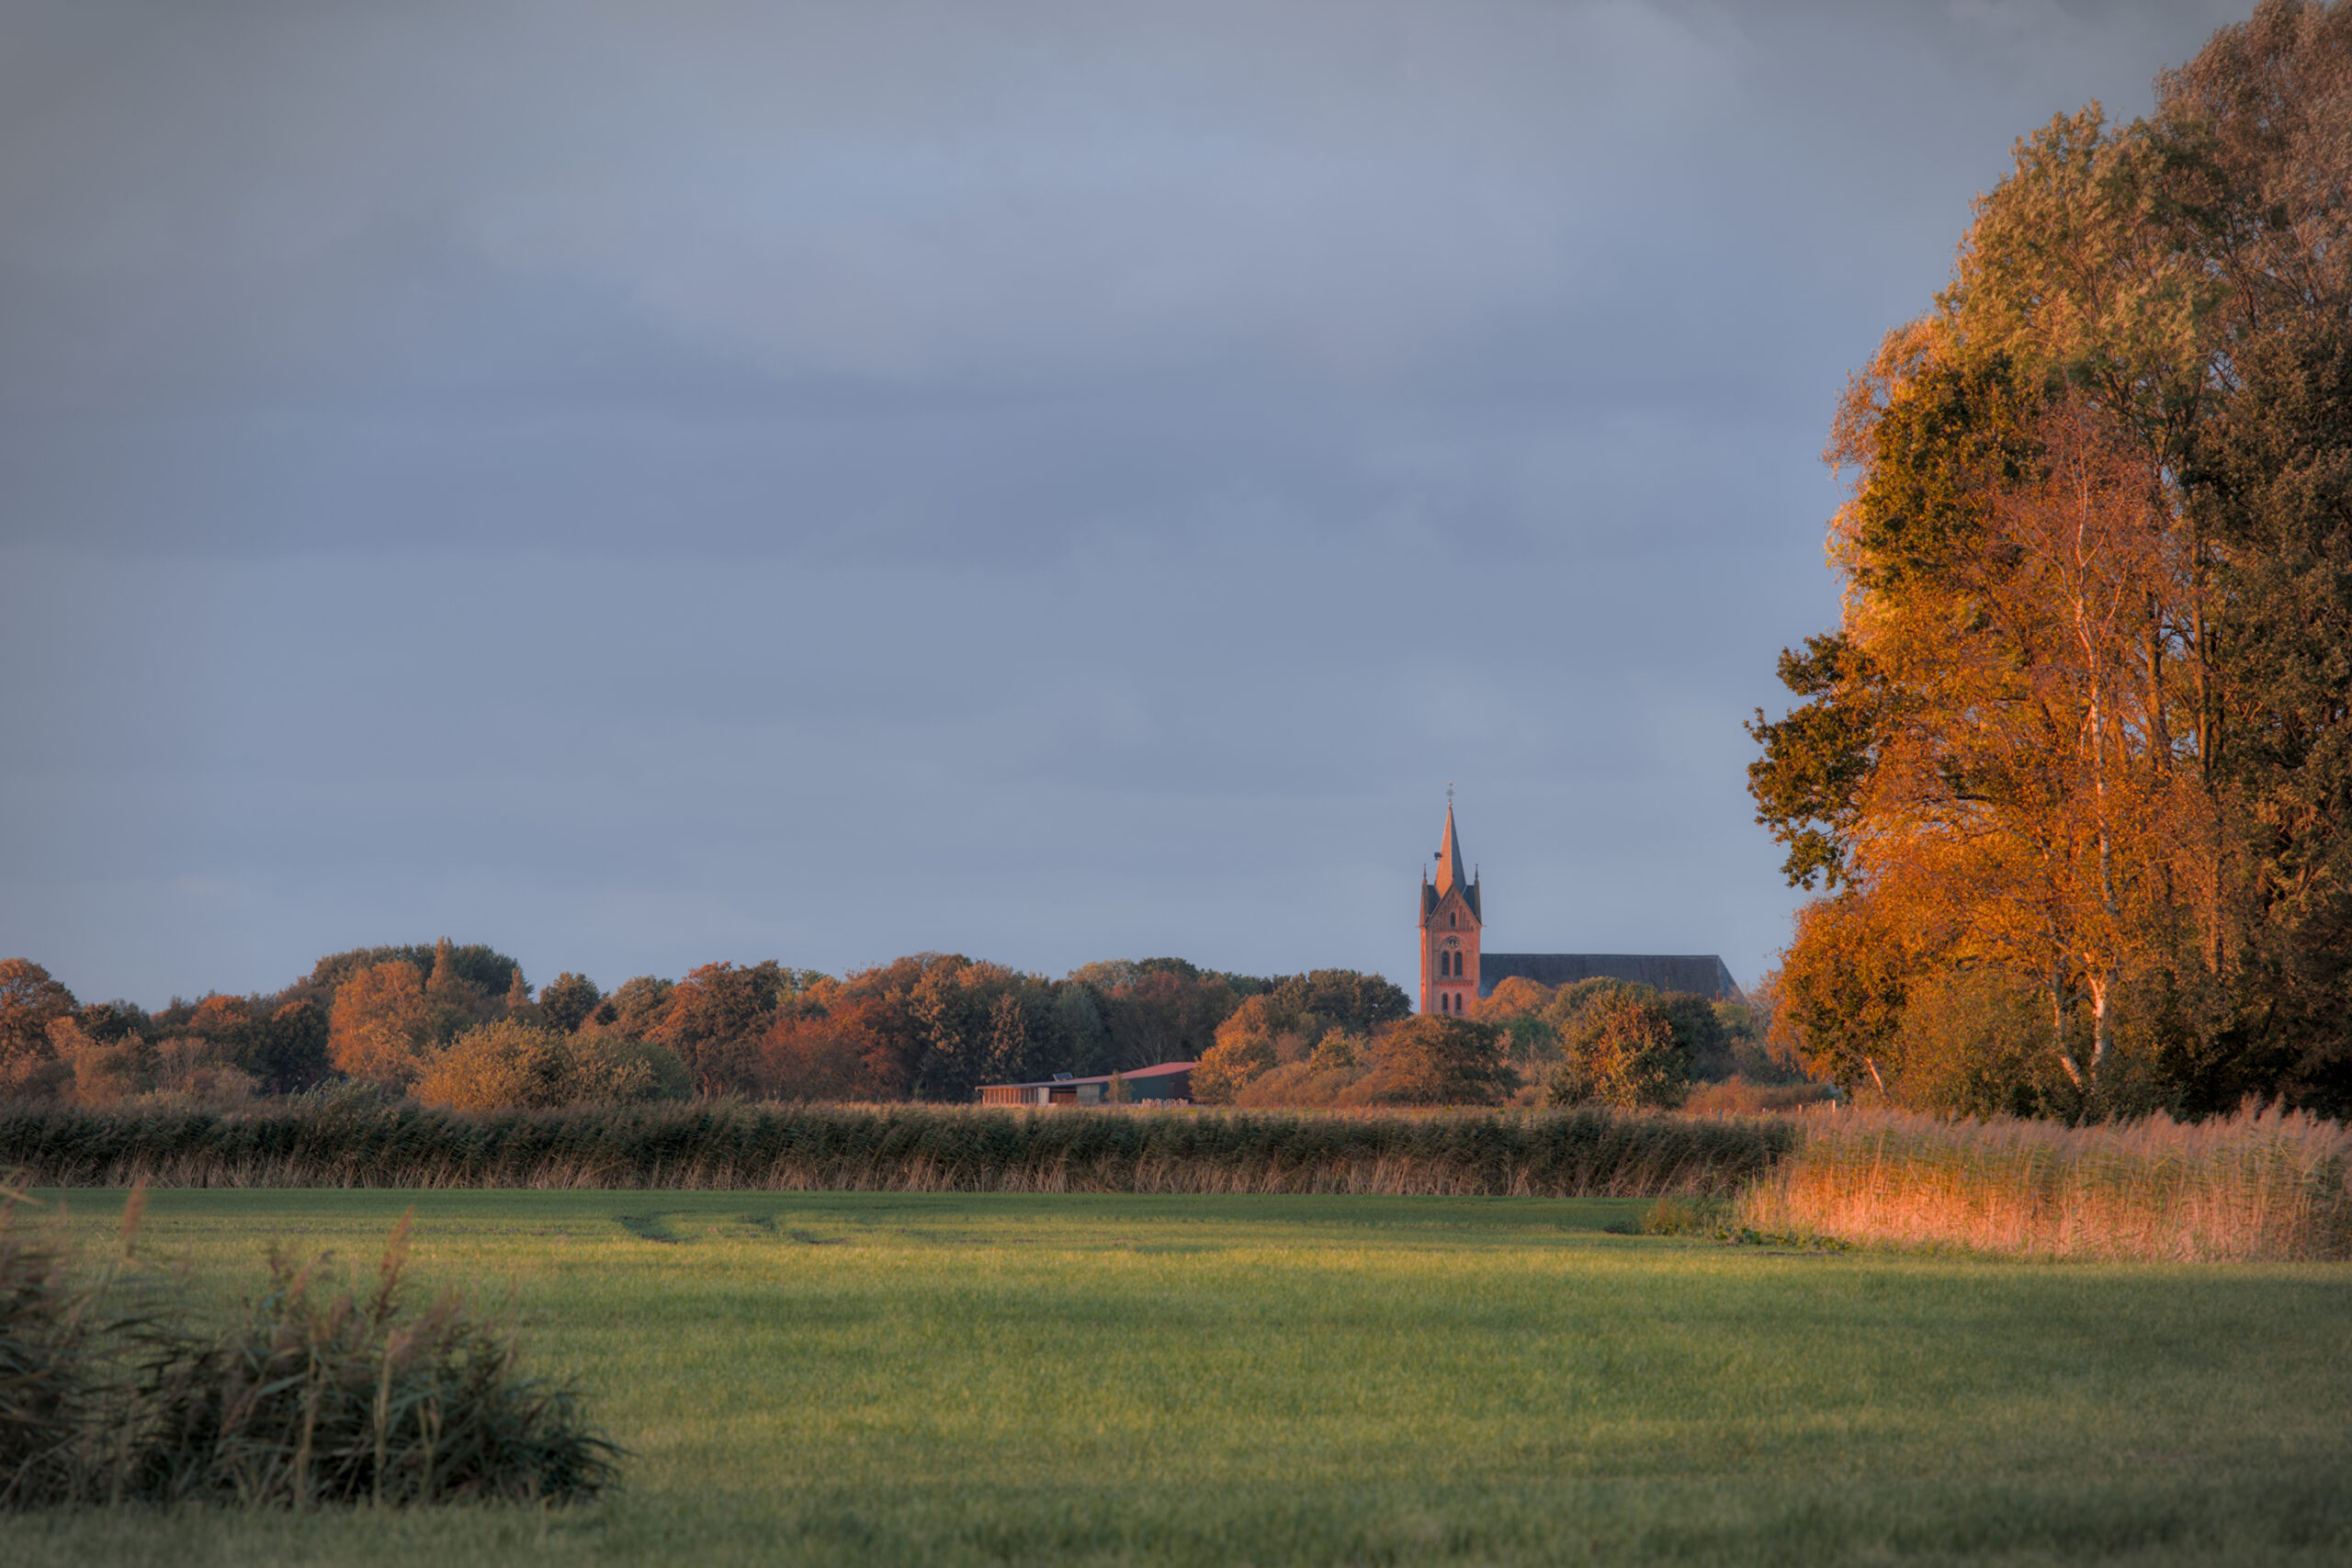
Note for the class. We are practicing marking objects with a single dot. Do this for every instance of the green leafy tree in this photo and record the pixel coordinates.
(1082, 1027)
(981, 1022)
(1167, 1010)
(1807, 785)
(2278, 477)
(715, 1017)
(568, 1002)
(284, 1050)
(1347, 999)
(1623, 1053)
(1844, 983)
(115, 1020)
(1699, 1034)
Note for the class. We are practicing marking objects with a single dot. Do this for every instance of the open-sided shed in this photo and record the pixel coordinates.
(1170, 1083)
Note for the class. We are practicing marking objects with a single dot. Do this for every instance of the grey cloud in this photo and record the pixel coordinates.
(641, 484)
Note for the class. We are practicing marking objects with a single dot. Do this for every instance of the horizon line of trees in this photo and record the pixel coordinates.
(458, 1025)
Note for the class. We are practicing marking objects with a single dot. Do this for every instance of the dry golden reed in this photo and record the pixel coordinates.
(2262, 1185)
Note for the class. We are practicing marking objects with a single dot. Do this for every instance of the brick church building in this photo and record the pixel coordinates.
(1455, 972)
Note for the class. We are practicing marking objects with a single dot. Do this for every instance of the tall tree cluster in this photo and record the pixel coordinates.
(2073, 773)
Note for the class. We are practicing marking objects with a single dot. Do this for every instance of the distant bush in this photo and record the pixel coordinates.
(1685, 1216)
(358, 1141)
(313, 1396)
(1622, 1051)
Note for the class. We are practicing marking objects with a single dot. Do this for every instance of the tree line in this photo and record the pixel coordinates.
(457, 1026)
(2073, 774)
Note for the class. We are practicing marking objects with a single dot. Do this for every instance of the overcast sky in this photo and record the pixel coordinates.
(639, 485)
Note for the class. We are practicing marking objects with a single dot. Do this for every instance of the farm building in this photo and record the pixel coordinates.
(1170, 1083)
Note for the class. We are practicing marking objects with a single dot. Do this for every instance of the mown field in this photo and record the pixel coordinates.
(901, 1378)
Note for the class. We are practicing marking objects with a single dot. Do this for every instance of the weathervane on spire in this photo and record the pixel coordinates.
(1449, 792)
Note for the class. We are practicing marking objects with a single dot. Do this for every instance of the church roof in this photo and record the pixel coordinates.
(1700, 972)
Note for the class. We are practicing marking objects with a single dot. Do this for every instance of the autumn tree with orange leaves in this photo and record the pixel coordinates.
(2042, 754)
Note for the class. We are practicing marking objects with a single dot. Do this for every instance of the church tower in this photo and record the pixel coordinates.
(1450, 927)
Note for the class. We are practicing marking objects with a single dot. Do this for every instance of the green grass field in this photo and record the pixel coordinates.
(875, 1379)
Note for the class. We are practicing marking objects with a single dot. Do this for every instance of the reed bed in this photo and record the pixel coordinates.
(1580, 1153)
(2262, 1185)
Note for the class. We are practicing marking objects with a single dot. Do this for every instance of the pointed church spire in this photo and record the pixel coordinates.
(1449, 853)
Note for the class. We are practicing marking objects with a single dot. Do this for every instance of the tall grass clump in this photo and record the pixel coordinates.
(311, 1396)
(2260, 1185)
(314, 1396)
(1588, 1152)
(53, 1340)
